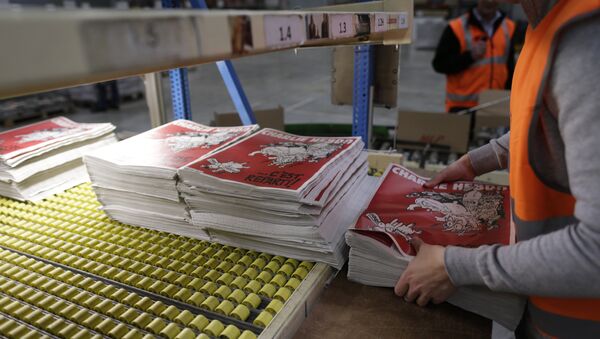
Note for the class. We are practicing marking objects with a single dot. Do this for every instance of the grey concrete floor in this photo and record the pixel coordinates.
(300, 82)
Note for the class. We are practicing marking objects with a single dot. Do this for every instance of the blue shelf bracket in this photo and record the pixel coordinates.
(364, 66)
(236, 92)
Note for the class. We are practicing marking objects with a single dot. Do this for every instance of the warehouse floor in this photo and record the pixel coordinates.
(298, 82)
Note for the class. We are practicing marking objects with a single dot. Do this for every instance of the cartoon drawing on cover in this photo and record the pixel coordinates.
(229, 167)
(45, 134)
(461, 213)
(286, 153)
(407, 231)
(183, 141)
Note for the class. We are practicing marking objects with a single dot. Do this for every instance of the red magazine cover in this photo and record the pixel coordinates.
(174, 145)
(26, 138)
(461, 213)
(275, 159)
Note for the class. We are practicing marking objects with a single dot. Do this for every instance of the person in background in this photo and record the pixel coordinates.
(554, 168)
(107, 96)
(475, 52)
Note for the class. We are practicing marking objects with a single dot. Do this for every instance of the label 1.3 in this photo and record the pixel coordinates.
(342, 25)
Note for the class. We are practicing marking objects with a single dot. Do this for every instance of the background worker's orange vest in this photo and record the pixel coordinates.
(490, 72)
(541, 201)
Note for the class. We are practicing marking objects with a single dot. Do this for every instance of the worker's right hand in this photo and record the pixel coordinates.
(478, 50)
(461, 169)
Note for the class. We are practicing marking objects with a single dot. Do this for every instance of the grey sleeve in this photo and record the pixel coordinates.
(564, 263)
(491, 157)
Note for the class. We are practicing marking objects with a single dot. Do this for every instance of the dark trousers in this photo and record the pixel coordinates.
(108, 95)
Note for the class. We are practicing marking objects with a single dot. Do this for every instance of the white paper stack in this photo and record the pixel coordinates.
(281, 193)
(375, 264)
(136, 179)
(44, 158)
(460, 213)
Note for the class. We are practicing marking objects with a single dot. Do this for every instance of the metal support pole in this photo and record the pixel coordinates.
(364, 66)
(180, 91)
(232, 82)
(154, 99)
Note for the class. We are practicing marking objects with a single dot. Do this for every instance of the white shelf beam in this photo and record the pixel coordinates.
(45, 50)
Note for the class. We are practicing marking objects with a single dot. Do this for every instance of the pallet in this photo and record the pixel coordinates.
(11, 117)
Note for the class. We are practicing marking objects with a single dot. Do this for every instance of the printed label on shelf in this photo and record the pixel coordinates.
(342, 26)
(403, 20)
(380, 22)
(284, 30)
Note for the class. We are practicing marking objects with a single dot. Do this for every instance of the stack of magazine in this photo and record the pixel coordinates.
(465, 214)
(136, 179)
(44, 158)
(281, 193)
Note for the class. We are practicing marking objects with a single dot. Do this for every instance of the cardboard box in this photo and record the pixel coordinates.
(490, 95)
(491, 121)
(379, 160)
(386, 76)
(497, 115)
(266, 118)
(434, 128)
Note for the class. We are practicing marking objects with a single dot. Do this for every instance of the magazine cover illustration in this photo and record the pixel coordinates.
(460, 213)
(175, 144)
(274, 159)
(43, 132)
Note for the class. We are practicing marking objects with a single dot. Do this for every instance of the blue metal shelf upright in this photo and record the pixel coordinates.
(364, 68)
(364, 65)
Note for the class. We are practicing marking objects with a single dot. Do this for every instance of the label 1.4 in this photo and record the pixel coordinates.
(284, 30)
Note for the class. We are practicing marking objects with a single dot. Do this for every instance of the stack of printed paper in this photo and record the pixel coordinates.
(44, 158)
(282, 193)
(136, 179)
(460, 214)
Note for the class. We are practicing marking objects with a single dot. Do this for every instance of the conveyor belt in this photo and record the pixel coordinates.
(68, 271)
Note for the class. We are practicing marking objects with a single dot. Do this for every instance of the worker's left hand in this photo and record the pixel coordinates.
(425, 279)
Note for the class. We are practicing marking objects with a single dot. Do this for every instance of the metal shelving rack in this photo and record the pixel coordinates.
(48, 50)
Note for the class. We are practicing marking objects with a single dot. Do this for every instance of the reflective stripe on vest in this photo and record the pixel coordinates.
(462, 89)
(539, 206)
(532, 228)
(458, 97)
(491, 60)
(468, 38)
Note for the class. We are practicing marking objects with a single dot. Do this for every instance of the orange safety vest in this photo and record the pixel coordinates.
(489, 72)
(541, 201)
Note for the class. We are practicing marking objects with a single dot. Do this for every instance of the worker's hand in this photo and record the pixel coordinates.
(478, 49)
(461, 169)
(425, 279)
